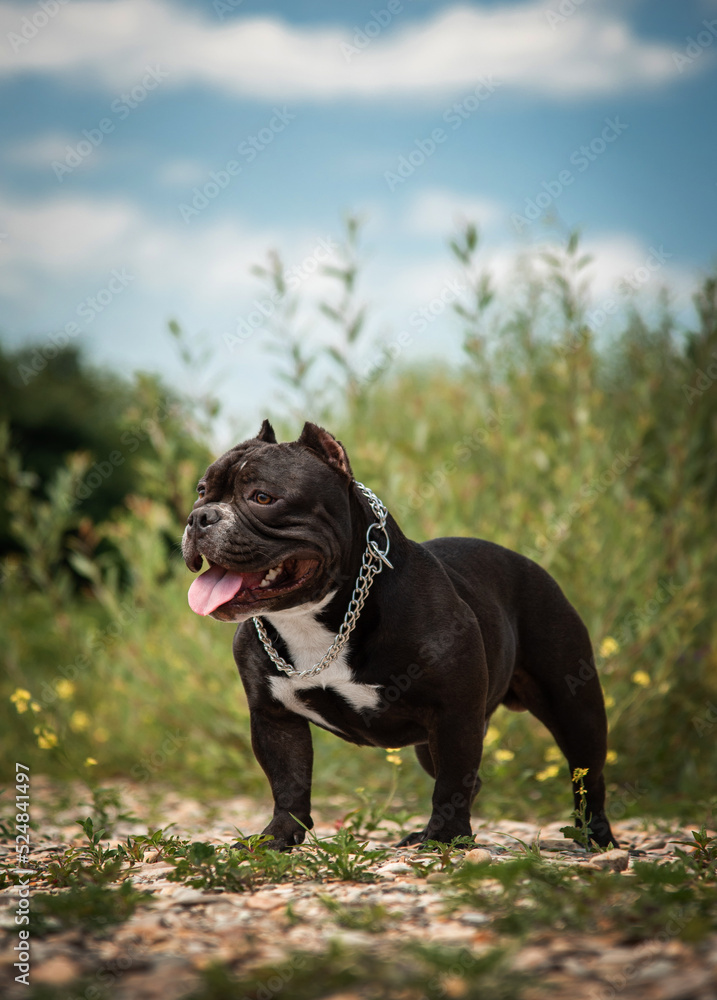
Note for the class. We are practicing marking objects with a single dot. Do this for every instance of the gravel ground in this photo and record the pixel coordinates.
(157, 954)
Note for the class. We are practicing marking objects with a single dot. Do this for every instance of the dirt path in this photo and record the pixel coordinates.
(163, 950)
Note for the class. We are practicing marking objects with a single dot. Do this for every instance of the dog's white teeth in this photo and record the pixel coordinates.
(271, 575)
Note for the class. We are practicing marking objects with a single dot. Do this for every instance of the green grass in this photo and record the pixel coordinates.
(92, 908)
(522, 892)
(522, 897)
(525, 895)
(411, 972)
(598, 461)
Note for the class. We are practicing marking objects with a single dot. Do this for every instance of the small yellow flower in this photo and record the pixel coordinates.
(548, 772)
(46, 739)
(20, 699)
(503, 755)
(642, 678)
(65, 688)
(79, 721)
(553, 753)
(608, 646)
(394, 758)
(492, 735)
(609, 701)
(36, 706)
(611, 756)
(90, 761)
(101, 735)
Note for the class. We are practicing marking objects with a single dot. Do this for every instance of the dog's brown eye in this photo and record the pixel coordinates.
(263, 498)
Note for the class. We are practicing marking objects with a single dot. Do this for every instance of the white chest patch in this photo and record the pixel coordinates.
(307, 641)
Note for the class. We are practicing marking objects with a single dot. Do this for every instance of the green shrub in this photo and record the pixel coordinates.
(598, 462)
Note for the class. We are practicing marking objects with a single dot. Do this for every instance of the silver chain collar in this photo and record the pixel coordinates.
(372, 563)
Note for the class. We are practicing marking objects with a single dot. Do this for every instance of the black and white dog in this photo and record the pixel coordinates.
(337, 608)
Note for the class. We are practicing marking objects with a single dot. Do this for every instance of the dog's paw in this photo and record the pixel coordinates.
(600, 832)
(275, 844)
(285, 833)
(413, 838)
(280, 844)
(462, 840)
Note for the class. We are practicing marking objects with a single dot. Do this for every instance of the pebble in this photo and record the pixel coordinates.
(187, 929)
(264, 901)
(57, 970)
(148, 929)
(616, 860)
(190, 897)
(576, 967)
(404, 887)
(688, 983)
(448, 931)
(557, 844)
(396, 868)
(656, 970)
(532, 959)
(474, 918)
(616, 956)
(478, 856)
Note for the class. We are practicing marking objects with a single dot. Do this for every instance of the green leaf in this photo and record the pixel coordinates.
(573, 833)
(459, 252)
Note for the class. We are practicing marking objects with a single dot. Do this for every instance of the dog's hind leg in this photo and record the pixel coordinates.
(558, 684)
(423, 754)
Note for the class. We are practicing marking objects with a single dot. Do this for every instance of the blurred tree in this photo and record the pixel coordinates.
(65, 408)
(120, 428)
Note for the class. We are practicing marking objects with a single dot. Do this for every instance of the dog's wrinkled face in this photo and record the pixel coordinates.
(266, 522)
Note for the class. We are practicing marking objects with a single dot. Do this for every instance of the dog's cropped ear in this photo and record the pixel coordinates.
(266, 433)
(327, 448)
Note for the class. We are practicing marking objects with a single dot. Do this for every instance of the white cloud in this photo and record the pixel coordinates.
(67, 239)
(62, 249)
(622, 264)
(183, 173)
(64, 235)
(39, 151)
(113, 41)
(439, 212)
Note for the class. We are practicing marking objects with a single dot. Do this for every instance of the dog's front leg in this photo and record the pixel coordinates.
(282, 744)
(452, 756)
(455, 747)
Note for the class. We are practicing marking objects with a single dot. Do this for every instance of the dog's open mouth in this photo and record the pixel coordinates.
(218, 586)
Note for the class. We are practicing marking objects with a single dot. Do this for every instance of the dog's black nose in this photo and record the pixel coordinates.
(203, 517)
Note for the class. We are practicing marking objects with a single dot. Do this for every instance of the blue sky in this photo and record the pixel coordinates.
(115, 112)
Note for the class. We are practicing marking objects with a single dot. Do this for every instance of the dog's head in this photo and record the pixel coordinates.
(272, 520)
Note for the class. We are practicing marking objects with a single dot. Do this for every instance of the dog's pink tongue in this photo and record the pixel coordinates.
(214, 587)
